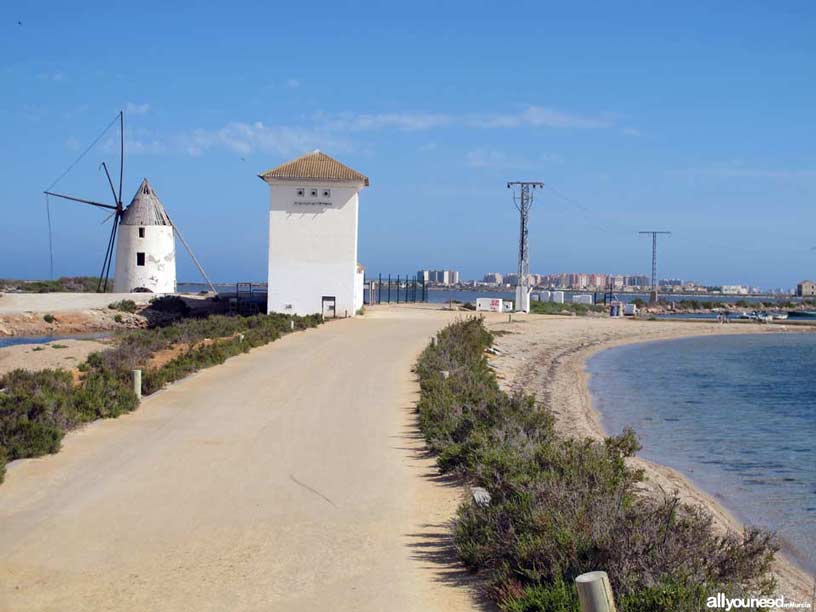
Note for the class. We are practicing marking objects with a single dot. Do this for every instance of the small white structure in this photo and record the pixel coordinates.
(313, 210)
(582, 298)
(630, 310)
(557, 297)
(146, 250)
(489, 304)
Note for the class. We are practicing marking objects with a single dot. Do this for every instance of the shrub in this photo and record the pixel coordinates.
(170, 304)
(103, 395)
(561, 507)
(49, 318)
(35, 410)
(554, 308)
(124, 306)
(117, 318)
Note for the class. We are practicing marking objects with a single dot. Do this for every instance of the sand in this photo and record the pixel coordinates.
(547, 355)
(60, 354)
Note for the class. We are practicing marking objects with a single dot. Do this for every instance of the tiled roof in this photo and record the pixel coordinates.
(145, 208)
(315, 166)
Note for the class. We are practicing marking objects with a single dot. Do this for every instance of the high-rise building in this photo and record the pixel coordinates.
(439, 277)
(493, 277)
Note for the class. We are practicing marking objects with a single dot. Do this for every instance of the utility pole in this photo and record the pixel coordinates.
(523, 199)
(654, 234)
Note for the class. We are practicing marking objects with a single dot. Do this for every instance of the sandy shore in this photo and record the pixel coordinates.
(547, 356)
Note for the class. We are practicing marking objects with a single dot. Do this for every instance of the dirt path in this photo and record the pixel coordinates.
(291, 478)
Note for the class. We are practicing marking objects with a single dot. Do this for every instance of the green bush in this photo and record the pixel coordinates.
(103, 395)
(49, 318)
(561, 507)
(124, 306)
(35, 410)
(554, 308)
(73, 284)
(557, 597)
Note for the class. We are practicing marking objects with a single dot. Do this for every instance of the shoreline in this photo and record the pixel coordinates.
(551, 361)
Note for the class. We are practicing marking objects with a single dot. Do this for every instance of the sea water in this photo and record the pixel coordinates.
(736, 414)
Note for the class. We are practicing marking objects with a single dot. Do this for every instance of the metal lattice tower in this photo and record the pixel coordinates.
(523, 199)
(654, 235)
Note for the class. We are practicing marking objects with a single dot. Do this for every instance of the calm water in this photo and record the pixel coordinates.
(14, 340)
(736, 414)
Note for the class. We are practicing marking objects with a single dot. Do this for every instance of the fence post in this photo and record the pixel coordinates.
(137, 383)
(379, 289)
(595, 592)
(398, 288)
(389, 288)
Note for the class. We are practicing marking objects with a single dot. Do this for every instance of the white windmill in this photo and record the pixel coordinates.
(146, 252)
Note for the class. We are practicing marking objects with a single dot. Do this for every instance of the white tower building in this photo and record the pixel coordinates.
(313, 237)
(146, 251)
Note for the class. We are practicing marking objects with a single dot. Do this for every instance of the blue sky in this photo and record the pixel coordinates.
(696, 117)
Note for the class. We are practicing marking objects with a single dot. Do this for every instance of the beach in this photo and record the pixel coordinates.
(547, 355)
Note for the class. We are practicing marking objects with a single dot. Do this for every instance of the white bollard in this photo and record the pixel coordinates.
(292, 325)
(595, 592)
(137, 383)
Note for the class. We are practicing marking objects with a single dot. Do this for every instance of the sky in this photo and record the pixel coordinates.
(691, 117)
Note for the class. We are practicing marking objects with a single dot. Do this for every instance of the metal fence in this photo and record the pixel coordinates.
(397, 289)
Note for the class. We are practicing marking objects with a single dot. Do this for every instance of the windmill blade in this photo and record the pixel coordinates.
(103, 274)
(106, 219)
(104, 166)
(121, 153)
(80, 200)
(112, 250)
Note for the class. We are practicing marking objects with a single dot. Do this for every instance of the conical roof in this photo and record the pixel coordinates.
(145, 208)
(316, 166)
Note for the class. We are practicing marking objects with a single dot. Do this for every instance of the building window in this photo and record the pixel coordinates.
(327, 193)
(301, 192)
(141, 232)
(313, 193)
(140, 259)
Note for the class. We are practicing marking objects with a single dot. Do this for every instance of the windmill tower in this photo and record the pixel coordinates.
(146, 252)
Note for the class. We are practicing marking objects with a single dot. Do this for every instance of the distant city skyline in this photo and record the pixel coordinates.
(695, 118)
(589, 281)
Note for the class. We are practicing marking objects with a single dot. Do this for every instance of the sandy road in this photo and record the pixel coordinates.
(287, 479)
